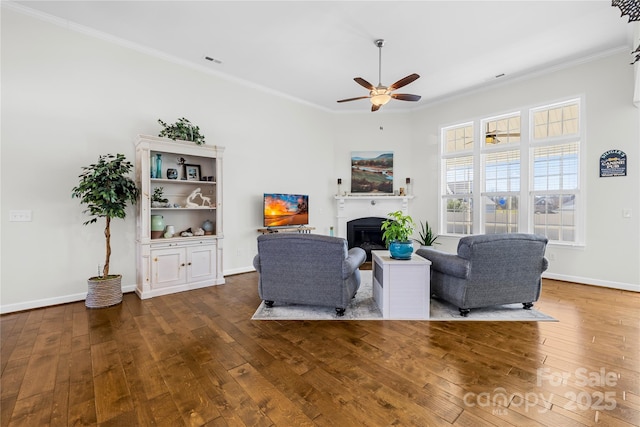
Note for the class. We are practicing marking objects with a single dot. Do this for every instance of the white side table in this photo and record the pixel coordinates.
(401, 288)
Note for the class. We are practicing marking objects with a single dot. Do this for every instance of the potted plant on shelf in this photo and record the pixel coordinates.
(426, 235)
(183, 130)
(106, 189)
(157, 198)
(396, 232)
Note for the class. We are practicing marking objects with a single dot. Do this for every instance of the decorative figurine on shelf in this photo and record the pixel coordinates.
(206, 200)
(180, 162)
(198, 232)
(197, 193)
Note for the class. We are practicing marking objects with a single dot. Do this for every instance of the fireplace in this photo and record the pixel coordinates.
(349, 208)
(359, 218)
(365, 233)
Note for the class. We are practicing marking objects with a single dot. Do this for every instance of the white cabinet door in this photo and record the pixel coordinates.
(201, 263)
(168, 267)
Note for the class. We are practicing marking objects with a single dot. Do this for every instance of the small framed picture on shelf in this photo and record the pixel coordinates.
(192, 172)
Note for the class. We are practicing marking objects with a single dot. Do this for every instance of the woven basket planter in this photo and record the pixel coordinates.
(104, 292)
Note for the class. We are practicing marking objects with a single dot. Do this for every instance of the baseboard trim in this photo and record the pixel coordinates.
(239, 271)
(48, 302)
(593, 282)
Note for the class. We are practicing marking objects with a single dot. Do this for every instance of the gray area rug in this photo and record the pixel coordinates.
(363, 307)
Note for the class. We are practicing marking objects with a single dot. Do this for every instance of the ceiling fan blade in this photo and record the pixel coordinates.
(494, 134)
(405, 97)
(353, 99)
(405, 81)
(365, 84)
(375, 107)
(497, 133)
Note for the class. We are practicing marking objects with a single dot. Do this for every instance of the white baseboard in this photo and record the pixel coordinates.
(48, 302)
(594, 282)
(239, 271)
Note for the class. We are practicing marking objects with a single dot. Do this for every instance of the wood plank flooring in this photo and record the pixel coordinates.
(197, 359)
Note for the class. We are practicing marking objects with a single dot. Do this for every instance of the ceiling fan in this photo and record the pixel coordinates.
(380, 95)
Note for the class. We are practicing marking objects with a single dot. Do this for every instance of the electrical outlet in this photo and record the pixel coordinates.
(20, 216)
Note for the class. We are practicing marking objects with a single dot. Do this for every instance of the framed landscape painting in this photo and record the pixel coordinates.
(372, 172)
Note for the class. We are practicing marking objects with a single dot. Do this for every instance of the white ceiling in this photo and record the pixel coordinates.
(312, 50)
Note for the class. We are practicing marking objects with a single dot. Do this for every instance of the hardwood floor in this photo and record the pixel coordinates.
(196, 358)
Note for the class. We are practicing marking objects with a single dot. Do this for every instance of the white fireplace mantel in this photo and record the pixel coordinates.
(355, 207)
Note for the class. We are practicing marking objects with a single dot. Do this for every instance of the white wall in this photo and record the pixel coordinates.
(68, 97)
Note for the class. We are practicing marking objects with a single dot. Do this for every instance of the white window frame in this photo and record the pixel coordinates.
(526, 147)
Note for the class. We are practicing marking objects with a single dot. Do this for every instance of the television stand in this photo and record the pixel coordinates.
(293, 229)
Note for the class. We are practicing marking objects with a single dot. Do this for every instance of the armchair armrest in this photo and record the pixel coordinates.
(446, 263)
(256, 263)
(355, 258)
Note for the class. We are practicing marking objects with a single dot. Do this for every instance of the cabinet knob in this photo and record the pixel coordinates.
(182, 265)
(189, 263)
(155, 259)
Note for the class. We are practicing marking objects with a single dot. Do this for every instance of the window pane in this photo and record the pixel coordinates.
(502, 131)
(502, 171)
(458, 139)
(555, 167)
(500, 214)
(556, 121)
(459, 175)
(459, 215)
(555, 216)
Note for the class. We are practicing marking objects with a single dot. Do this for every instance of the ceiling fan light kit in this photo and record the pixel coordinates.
(380, 95)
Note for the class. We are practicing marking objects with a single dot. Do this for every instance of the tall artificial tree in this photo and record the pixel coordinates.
(106, 189)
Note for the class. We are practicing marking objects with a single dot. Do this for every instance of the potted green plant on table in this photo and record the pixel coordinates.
(426, 235)
(396, 232)
(106, 189)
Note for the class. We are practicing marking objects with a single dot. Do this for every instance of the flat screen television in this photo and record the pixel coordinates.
(284, 210)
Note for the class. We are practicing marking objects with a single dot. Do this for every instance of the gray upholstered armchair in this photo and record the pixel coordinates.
(307, 269)
(489, 270)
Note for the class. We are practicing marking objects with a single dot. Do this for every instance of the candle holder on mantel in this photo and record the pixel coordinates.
(408, 182)
(339, 187)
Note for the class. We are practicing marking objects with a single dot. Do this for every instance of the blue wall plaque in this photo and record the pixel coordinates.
(613, 163)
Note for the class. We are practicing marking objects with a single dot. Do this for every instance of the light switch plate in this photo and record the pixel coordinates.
(20, 216)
